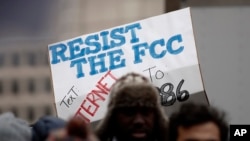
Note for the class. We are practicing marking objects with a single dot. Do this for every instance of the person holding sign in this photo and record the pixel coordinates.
(198, 122)
(134, 112)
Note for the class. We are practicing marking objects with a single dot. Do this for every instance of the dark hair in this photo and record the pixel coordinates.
(77, 127)
(191, 114)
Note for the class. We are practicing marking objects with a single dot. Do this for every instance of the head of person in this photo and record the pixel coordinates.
(76, 129)
(45, 125)
(134, 112)
(198, 122)
(13, 128)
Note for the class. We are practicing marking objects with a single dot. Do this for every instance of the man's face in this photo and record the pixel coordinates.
(202, 132)
(135, 124)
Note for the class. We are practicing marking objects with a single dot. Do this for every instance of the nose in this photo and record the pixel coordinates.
(138, 118)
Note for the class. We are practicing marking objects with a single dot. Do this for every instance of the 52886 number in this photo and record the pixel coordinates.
(169, 97)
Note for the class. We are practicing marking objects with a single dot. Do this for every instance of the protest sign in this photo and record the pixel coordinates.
(161, 48)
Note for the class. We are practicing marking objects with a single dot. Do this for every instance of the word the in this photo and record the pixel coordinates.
(91, 103)
(69, 98)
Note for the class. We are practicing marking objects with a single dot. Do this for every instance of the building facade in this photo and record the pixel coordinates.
(25, 80)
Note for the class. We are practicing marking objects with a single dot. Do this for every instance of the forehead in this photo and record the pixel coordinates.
(202, 132)
(136, 108)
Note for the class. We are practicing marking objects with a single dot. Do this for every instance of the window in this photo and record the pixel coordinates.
(31, 113)
(1, 87)
(46, 62)
(16, 59)
(15, 87)
(45, 58)
(14, 110)
(47, 110)
(47, 85)
(31, 86)
(32, 59)
(2, 59)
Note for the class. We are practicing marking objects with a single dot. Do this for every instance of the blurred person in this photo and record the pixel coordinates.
(76, 129)
(13, 128)
(44, 126)
(134, 112)
(198, 122)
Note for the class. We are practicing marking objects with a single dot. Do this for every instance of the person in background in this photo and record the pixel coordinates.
(198, 122)
(13, 128)
(44, 126)
(134, 112)
(76, 129)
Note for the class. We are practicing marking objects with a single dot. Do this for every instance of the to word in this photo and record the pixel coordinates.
(168, 97)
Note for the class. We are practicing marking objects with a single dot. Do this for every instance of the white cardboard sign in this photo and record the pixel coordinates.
(162, 48)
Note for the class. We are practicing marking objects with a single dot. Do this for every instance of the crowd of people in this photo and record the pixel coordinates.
(134, 113)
